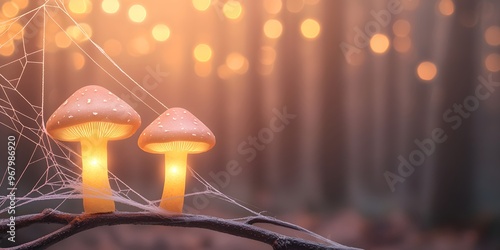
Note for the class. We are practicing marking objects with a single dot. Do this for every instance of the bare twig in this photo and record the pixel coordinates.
(75, 223)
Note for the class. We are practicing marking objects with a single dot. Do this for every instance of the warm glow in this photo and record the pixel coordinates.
(95, 180)
(21, 3)
(232, 9)
(235, 61)
(137, 13)
(402, 44)
(203, 69)
(446, 7)
(267, 55)
(78, 60)
(379, 43)
(139, 46)
(79, 6)
(112, 47)
(161, 32)
(10, 9)
(310, 28)
(202, 53)
(273, 6)
(16, 31)
(426, 71)
(7, 49)
(401, 28)
(174, 187)
(294, 6)
(492, 62)
(224, 72)
(110, 6)
(311, 2)
(62, 40)
(273, 28)
(201, 5)
(81, 33)
(492, 35)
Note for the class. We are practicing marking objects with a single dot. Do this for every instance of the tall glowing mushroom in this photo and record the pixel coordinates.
(93, 116)
(176, 133)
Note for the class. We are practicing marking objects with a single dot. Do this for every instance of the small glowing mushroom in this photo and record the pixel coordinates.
(176, 133)
(93, 116)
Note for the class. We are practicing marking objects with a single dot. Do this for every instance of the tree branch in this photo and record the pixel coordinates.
(75, 223)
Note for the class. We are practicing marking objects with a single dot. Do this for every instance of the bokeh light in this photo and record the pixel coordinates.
(224, 72)
(113, 47)
(110, 6)
(8, 48)
(80, 34)
(202, 52)
(62, 40)
(273, 28)
(401, 28)
(492, 35)
(446, 7)
(402, 44)
(139, 46)
(201, 5)
(267, 55)
(310, 28)
(203, 69)
(137, 13)
(161, 32)
(379, 43)
(273, 6)
(232, 9)
(237, 63)
(80, 6)
(78, 60)
(294, 6)
(16, 31)
(10, 9)
(492, 62)
(426, 70)
(21, 3)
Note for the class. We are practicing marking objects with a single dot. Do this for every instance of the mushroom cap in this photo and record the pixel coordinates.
(93, 111)
(176, 130)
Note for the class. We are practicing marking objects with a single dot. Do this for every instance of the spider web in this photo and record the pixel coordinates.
(48, 175)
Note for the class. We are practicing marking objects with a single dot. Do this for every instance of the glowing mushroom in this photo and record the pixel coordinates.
(93, 116)
(176, 133)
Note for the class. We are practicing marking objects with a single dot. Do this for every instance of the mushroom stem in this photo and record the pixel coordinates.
(95, 177)
(175, 181)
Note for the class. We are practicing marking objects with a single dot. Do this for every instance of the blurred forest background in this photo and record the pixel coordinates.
(361, 80)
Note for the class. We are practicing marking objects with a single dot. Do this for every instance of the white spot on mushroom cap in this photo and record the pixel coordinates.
(167, 114)
(115, 110)
(105, 100)
(195, 123)
(88, 100)
(173, 118)
(70, 116)
(184, 112)
(194, 134)
(66, 102)
(94, 113)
